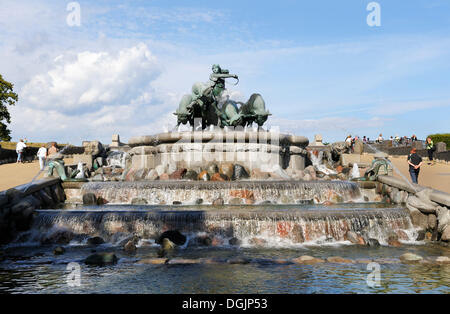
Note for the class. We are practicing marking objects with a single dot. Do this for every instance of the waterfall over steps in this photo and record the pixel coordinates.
(275, 227)
(277, 192)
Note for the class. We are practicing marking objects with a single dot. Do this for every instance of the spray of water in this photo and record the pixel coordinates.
(394, 168)
(45, 165)
(355, 171)
(318, 164)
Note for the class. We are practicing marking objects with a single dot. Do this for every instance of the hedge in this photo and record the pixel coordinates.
(445, 137)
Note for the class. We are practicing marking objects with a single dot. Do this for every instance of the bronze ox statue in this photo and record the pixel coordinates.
(205, 105)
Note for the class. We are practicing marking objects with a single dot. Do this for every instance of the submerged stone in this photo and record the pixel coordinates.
(443, 260)
(410, 257)
(234, 241)
(307, 260)
(199, 201)
(373, 242)
(340, 260)
(166, 247)
(95, 241)
(153, 261)
(183, 261)
(58, 236)
(239, 260)
(101, 259)
(130, 247)
(59, 250)
(174, 236)
(203, 241)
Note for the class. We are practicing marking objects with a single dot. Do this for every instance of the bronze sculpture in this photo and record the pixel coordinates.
(204, 104)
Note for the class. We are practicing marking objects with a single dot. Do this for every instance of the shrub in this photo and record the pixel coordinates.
(445, 137)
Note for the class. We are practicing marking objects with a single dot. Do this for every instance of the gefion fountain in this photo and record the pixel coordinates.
(223, 194)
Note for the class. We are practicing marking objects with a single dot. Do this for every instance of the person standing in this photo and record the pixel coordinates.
(397, 140)
(348, 142)
(414, 162)
(430, 149)
(42, 155)
(380, 138)
(20, 147)
(52, 150)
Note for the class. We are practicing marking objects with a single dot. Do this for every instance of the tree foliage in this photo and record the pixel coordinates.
(7, 97)
(444, 137)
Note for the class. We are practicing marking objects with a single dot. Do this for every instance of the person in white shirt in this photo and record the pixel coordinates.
(42, 154)
(20, 147)
(380, 138)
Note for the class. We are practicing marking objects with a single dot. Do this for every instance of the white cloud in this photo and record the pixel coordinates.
(92, 95)
(93, 79)
(112, 84)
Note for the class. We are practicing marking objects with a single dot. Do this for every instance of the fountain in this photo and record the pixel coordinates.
(229, 189)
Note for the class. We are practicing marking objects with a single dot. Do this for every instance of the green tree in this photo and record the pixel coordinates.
(7, 97)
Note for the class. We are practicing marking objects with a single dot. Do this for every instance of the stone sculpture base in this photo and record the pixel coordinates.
(251, 149)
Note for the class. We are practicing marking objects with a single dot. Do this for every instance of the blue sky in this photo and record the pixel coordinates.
(318, 65)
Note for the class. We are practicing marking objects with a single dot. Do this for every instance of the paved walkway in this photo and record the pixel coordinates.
(12, 175)
(436, 176)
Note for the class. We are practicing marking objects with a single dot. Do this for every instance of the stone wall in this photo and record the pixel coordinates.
(18, 205)
(10, 155)
(253, 150)
(441, 153)
(429, 208)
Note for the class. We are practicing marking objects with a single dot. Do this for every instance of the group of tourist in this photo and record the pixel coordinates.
(414, 160)
(42, 152)
(351, 141)
(396, 141)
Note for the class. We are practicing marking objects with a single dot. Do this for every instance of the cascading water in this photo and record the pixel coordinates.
(275, 227)
(277, 192)
(318, 164)
(355, 172)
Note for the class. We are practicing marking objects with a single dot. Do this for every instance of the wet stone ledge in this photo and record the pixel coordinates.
(18, 205)
(429, 208)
